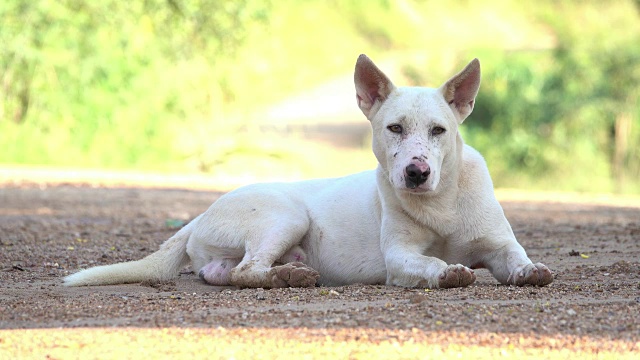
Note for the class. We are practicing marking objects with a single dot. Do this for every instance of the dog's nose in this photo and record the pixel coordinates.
(416, 175)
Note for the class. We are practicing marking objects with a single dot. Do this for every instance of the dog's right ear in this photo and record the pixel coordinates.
(372, 86)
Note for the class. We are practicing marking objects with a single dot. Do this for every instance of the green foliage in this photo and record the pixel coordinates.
(566, 118)
(103, 82)
(176, 84)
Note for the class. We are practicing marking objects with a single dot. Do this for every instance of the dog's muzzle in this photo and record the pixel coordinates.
(416, 175)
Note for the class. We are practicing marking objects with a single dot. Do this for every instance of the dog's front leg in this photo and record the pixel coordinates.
(510, 265)
(403, 244)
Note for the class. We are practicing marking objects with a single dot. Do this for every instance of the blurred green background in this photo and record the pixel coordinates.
(264, 88)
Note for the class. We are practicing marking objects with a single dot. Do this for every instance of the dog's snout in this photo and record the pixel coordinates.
(416, 175)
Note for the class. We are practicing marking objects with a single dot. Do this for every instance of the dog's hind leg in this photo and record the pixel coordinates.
(254, 274)
(276, 245)
(218, 271)
(245, 233)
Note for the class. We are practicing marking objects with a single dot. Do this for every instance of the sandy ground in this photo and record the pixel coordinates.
(592, 310)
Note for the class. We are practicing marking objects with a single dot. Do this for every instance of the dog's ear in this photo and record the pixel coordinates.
(460, 91)
(372, 86)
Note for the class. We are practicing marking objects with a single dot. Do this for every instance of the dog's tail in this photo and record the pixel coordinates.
(163, 264)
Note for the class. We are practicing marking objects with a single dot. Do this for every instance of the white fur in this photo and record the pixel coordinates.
(369, 228)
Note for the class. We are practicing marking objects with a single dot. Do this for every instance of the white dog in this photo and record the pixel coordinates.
(425, 217)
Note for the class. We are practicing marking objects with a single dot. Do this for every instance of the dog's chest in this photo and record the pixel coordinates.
(443, 222)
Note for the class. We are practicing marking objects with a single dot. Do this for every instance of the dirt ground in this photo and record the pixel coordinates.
(46, 232)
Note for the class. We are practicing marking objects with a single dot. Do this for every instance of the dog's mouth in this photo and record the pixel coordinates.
(416, 190)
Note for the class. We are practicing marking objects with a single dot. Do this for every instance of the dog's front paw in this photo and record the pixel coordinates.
(295, 274)
(456, 276)
(531, 274)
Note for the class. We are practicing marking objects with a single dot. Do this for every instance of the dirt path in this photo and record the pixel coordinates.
(592, 309)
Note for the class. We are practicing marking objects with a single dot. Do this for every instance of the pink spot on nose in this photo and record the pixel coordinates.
(422, 166)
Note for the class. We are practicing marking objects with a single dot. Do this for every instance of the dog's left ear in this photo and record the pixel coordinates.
(372, 86)
(460, 91)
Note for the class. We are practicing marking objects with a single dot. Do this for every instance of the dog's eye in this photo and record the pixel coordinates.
(395, 128)
(437, 130)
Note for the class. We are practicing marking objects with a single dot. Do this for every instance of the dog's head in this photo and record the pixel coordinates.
(415, 130)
